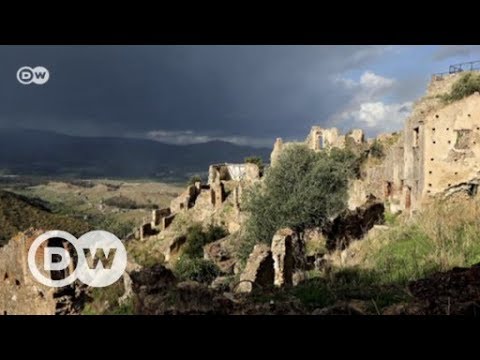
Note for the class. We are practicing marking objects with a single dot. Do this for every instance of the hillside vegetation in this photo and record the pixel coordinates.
(463, 87)
(378, 269)
(303, 190)
(18, 213)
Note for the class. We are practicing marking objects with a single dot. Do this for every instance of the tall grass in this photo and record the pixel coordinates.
(443, 236)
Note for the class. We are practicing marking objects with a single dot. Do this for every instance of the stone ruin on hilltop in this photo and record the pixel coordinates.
(437, 153)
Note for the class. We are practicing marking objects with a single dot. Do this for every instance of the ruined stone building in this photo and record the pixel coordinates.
(21, 293)
(320, 139)
(236, 172)
(225, 186)
(437, 153)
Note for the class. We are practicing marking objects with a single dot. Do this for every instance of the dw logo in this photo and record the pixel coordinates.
(38, 75)
(100, 258)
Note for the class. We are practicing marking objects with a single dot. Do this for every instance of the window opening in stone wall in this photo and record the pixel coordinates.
(320, 143)
(388, 189)
(408, 197)
(416, 135)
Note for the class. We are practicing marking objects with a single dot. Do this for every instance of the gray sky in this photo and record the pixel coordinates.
(243, 94)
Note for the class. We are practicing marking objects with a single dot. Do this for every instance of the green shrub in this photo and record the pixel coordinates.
(197, 238)
(121, 202)
(215, 232)
(376, 150)
(196, 269)
(104, 301)
(121, 228)
(463, 87)
(194, 179)
(302, 190)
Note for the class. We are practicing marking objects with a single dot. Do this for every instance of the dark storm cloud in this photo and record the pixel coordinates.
(228, 92)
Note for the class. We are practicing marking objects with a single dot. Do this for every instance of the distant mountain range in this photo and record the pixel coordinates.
(35, 152)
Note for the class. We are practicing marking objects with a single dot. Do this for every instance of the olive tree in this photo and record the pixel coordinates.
(302, 190)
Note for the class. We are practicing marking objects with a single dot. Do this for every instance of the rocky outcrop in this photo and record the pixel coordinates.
(452, 292)
(353, 224)
(158, 292)
(259, 270)
(220, 252)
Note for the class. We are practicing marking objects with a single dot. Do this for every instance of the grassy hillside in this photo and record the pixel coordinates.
(18, 213)
(378, 269)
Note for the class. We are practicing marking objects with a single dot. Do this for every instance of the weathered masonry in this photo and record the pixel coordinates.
(21, 294)
(438, 153)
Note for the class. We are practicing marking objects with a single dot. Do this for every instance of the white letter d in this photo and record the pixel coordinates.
(48, 263)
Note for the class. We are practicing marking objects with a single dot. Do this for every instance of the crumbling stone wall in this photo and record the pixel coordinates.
(320, 139)
(281, 264)
(258, 271)
(233, 172)
(452, 146)
(185, 200)
(382, 178)
(217, 193)
(20, 293)
(158, 215)
(437, 154)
